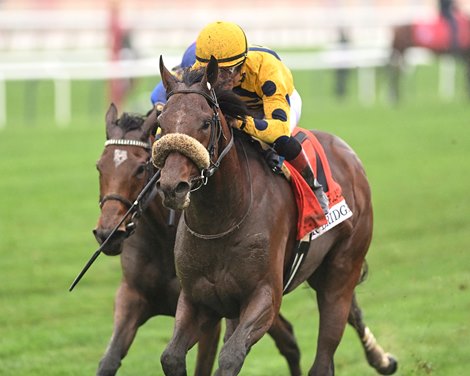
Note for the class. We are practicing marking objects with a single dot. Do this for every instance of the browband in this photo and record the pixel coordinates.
(123, 142)
(210, 98)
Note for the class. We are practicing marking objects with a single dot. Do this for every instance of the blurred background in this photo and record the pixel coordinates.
(61, 64)
(66, 42)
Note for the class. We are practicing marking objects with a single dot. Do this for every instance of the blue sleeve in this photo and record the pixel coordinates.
(158, 94)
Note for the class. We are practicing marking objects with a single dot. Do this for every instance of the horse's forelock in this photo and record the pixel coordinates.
(229, 102)
(129, 122)
(191, 77)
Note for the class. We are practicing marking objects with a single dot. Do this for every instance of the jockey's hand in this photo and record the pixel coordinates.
(236, 123)
(159, 108)
(273, 160)
(155, 112)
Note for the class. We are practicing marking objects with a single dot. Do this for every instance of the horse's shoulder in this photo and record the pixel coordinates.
(256, 159)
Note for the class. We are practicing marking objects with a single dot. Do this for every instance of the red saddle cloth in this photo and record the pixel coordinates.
(436, 34)
(310, 212)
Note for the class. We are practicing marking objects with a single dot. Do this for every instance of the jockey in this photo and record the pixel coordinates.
(261, 79)
(447, 9)
(158, 96)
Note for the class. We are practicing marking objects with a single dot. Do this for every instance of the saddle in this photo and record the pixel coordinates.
(310, 212)
(308, 226)
(311, 222)
(308, 206)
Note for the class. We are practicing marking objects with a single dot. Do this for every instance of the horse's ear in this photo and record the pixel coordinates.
(111, 118)
(212, 72)
(111, 114)
(167, 78)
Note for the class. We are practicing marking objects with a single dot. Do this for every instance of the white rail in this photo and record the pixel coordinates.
(62, 73)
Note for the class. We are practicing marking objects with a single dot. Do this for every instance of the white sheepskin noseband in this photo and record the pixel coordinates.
(181, 143)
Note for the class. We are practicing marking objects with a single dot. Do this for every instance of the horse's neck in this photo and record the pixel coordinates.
(155, 230)
(226, 197)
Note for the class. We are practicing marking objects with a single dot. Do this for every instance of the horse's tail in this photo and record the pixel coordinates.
(364, 272)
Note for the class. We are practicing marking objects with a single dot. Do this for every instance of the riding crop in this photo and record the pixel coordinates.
(132, 209)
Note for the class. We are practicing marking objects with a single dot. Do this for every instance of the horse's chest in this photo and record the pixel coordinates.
(222, 295)
(219, 273)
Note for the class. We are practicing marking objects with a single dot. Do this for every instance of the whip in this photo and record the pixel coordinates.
(133, 208)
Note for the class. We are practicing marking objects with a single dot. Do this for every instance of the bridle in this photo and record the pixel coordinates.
(135, 209)
(149, 168)
(215, 136)
(206, 173)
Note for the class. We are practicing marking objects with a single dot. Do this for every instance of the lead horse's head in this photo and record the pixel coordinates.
(195, 134)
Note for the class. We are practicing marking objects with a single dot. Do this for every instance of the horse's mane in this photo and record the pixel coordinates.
(130, 121)
(230, 103)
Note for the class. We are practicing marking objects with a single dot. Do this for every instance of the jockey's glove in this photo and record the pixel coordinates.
(273, 160)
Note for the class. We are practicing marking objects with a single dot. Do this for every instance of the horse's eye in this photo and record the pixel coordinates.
(206, 124)
(140, 170)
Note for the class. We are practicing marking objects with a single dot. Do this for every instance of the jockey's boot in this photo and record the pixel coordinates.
(302, 165)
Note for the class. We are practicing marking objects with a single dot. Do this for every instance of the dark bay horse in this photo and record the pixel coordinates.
(236, 237)
(434, 35)
(149, 285)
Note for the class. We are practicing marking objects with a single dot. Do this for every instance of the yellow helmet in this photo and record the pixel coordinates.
(226, 41)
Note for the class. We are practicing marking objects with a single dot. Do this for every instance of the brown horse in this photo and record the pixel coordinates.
(434, 35)
(149, 285)
(236, 238)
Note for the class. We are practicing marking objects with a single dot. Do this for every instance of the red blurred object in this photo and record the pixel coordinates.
(436, 34)
(117, 87)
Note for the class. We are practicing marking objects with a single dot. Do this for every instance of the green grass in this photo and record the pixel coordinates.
(416, 299)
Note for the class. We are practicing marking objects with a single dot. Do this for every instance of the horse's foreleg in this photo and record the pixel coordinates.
(230, 326)
(207, 350)
(173, 358)
(130, 312)
(255, 320)
(188, 322)
(283, 335)
(383, 362)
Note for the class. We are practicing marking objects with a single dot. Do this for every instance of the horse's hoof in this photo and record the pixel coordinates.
(391, 368)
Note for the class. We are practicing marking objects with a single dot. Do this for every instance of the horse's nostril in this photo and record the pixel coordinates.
(99, 235)
(182, 188)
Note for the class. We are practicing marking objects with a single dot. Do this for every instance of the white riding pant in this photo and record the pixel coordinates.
(295, 109)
